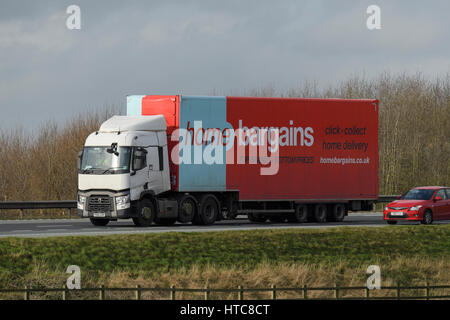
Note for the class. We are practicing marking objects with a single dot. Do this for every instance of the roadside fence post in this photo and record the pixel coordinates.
(428, 290)
(65, 293)
(398, 290)
(138, 292)
(206, 293)
(274, 292)
(240, 293)
(27, 293)
(305, 292)
(337, 291)
(172, 292)
(102, 293)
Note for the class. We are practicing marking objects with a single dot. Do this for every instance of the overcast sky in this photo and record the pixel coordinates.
(48, 72)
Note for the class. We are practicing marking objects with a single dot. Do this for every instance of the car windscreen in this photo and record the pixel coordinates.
(97, 160)
(418, 194)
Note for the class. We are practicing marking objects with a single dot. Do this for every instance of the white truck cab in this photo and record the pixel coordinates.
(123, 161)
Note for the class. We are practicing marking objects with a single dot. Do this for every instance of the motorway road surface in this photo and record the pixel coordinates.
(83, 227)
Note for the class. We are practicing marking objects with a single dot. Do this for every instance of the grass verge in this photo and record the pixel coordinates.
(255, 258)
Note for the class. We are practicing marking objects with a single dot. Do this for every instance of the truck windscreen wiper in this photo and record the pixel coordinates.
(111, 170)
(89, 170)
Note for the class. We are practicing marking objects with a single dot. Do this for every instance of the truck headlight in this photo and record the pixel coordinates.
(123, 202)
(386, 208)
(415, 208)
(81, 201)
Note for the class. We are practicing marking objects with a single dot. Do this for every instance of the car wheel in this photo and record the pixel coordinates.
(146, 213)
(99, 222)
(427, 218)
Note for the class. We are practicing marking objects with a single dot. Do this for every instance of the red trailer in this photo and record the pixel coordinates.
(325, 162)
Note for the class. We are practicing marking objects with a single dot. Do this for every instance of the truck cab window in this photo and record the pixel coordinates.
(139, 159)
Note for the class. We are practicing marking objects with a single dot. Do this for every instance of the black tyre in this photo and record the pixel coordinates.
(392, 222)
(338, 212)
(256, 217)
(320, 213)
(300, 215)
(99, 222)
(166, 221)
(208, 210)
(277, 219)
(427, 218)
(187, 208)
(146, 213)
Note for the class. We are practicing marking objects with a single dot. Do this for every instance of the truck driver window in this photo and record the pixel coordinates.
(139, 159)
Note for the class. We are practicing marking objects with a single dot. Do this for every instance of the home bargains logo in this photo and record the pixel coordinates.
(199, 145)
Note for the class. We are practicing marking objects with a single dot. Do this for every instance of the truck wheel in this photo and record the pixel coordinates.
(99, 222)
(391, 222)
(208, 210)
(427, 218)
(187, 208)
(338, 212)
(300, 215)
(146, 213)
(256, 217)
(320, 213)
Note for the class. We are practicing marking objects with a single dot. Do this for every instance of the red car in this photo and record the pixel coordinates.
(424, 204)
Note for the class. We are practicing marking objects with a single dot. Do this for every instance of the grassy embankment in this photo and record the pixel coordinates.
(257, 258)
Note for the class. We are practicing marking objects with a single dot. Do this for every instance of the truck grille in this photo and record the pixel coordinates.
(100, 204)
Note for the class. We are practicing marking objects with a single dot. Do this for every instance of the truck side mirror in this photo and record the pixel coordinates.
(437, 199)
(80, 154)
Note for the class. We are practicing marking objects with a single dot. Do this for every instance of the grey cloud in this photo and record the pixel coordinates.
(200, 47)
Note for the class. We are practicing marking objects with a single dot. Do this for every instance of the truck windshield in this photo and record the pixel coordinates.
(97, 160)
(418, 194)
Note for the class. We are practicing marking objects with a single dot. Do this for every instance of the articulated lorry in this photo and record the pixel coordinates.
(196, 159)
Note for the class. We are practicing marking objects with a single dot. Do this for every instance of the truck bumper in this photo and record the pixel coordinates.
(121, 214)
(102, 205)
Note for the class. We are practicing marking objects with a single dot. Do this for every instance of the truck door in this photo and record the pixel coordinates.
(155, 167)
(139, 172)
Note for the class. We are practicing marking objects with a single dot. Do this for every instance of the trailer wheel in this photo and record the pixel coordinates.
(300, 215)
(208, 210)
(146, 213)
(187, 208)
(320, 213)
(99, 222)
(256, 217)
(338, 212)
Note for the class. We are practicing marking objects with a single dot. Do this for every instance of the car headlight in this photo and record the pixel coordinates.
(81, 201)
(415, 208)
(123, 202)
(386, 208)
